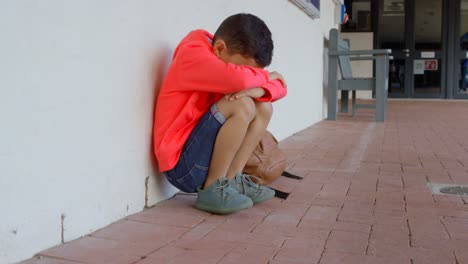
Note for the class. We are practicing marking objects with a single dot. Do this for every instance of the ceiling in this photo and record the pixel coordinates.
(428, 20)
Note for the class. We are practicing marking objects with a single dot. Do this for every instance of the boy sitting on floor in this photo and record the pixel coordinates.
(213, 109)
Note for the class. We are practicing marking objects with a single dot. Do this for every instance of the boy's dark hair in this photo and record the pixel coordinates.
(247, 35)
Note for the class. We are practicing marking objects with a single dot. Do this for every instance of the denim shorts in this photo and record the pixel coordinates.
(191, 170)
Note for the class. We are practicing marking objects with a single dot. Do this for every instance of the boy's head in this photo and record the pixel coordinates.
(244, 39)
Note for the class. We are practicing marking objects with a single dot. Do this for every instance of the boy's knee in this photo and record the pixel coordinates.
(264, 110)
(245, 106)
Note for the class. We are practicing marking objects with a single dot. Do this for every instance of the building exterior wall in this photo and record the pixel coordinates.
(77, 93)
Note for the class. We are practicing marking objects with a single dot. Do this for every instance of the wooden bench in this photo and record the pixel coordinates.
(339, 54)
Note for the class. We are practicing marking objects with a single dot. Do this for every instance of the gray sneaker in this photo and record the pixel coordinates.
(243, 184)
(221, 198)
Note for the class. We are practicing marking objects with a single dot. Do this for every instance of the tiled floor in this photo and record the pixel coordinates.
(364, 199)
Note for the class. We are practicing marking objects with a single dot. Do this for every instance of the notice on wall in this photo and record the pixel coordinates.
(418, 67)
(431, 65)
(427, 54)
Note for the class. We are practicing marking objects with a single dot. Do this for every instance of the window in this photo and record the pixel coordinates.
(310, 7)
(360, 16)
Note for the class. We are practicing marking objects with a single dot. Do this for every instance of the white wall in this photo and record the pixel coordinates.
(361, 41)
(77, 93)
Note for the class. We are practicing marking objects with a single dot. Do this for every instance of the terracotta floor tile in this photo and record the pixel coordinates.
(207, 256)
(272, 228)
(348, 242)
(352, 227)
(317, 224)
(341, 258)
(390, 206)
(298, 255)
(390, 235)
(456, 227)
(45, 260)
(284, 184)
(95, 251)
(322, 201)
(249, 254)
(390, 218)
(139, 232)
(323, 213)
(269, 240)
(179, 219)
(432, 256)
(448, 200)
(210, 256)
(382, 249)
(164, 254)
(202, 229)
(241, 222)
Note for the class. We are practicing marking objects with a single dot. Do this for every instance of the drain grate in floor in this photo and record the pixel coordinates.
(448, 189)
(457, 190)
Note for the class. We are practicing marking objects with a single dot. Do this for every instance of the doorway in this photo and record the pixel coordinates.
(414, 30)
(458, 51)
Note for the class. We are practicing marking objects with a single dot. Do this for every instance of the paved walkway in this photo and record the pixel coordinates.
(364, 199)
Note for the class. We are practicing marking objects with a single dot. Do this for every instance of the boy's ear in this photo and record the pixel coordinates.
(219, 47)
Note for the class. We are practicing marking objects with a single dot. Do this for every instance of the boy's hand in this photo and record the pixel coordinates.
(277, 76)
(252, 93)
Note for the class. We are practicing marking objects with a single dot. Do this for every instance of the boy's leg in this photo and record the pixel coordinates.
(254, 134)
(241, 182)
(239, 116)
(246, 123)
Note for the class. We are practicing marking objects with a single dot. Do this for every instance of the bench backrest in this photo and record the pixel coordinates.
(344, 61)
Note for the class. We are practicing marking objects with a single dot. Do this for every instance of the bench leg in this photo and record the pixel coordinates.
(344, 101)
(354, 102)
(332, 75)
(380, 89)
(332, 87)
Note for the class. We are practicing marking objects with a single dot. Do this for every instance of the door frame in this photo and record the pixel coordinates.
(410, 11)
(454, 53)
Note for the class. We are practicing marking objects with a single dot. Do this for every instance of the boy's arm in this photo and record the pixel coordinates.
(199, 69)
(271, 92)
(274, 90)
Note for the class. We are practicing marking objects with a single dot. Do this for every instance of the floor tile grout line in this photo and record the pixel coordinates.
(324, 247)
(168, 243)
(410, 235)
(456, 259)
(274, 256)
(303, 215)
(189, 229)
(368, 240)
(341, 211)
(42, 256)
(227, 253)
(406, 202)
(445, 227)
(180, 226)
(263, 220)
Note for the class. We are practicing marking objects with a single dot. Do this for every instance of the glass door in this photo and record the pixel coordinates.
(413, 30)
(428, 56)
(392, 34)
(461, 51)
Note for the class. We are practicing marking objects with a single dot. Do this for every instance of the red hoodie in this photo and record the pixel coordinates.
(196, 79)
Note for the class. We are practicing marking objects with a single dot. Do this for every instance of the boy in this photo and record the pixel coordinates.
(213, 109)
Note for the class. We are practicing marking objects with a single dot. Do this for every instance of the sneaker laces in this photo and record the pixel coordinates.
(225, 189)
(247, 179)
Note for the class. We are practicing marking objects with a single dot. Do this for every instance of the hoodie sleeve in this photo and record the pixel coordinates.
(198, 69)
(274, 90)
